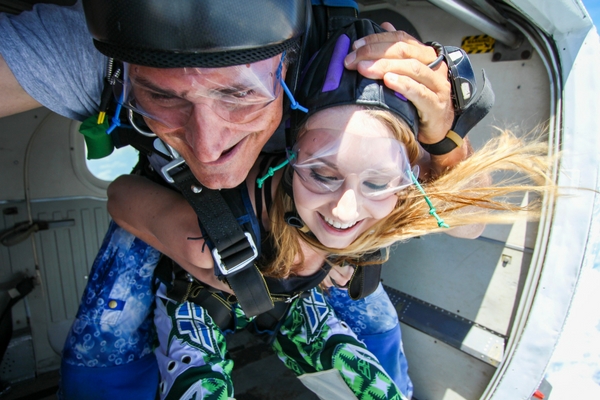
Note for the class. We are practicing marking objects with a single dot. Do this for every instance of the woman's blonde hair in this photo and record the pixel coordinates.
(462, 196)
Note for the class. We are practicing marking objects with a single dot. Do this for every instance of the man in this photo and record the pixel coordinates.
(48, 59)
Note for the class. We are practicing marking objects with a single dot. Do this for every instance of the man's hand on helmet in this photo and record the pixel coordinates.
(402, 61)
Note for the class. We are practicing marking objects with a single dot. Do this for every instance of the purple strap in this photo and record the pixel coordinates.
(336, 65)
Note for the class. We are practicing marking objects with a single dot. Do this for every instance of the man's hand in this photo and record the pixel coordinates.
(402, 62)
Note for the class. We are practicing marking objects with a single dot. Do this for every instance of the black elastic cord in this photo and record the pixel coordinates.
(439, 50)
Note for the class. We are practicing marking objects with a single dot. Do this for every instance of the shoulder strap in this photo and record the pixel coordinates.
(333, 18)
(234, 250)
(258, 193)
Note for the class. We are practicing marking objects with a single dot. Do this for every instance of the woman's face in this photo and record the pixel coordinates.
(348, 169)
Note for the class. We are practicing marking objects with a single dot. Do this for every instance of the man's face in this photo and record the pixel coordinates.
(219, 139)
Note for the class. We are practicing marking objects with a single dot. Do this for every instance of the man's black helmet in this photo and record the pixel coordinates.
(194, 33)
(325, 82)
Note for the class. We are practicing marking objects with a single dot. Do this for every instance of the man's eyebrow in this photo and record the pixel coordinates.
(140, 80)
(232, 89)
(228, 90)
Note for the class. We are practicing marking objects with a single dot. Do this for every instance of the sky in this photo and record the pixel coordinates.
(121, 161)
(574, 370)
(593, 8)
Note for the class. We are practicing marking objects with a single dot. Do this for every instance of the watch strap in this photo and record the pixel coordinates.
(444, 146)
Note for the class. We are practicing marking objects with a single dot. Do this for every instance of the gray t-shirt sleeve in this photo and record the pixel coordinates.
(51, 53)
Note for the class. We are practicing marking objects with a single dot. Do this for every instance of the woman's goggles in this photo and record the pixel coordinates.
(237, 94)
(325, 159)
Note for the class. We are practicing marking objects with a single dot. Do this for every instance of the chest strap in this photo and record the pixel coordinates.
(234, 250)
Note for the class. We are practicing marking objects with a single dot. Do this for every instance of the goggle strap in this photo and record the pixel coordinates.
(270, 172)
(294, 104)
(115, 121)
(432, 210)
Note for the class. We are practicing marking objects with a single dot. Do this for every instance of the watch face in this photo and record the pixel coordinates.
(462, 77)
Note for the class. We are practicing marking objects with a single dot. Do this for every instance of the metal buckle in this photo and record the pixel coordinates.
(165, 171)
(241, 265)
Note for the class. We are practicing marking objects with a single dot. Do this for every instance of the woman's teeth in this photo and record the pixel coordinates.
(339, 225)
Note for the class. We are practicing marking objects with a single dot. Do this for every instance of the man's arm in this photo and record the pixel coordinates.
(47, 53)
(13, 99)
(163, 219)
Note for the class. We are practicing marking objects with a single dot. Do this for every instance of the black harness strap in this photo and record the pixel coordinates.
(182, 287)
(221, 226)
(365, 278)
(268, 322)
(234, 250)
(257, 194)
(329, 19)
(340, 17)
(266, 189)
(251, 291)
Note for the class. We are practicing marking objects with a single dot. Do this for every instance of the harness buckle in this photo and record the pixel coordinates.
(165, 171)
(225, 270)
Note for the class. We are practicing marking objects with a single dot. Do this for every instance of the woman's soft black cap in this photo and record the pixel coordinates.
(325, 82)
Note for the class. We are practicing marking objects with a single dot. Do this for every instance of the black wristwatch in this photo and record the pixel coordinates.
(470, 107)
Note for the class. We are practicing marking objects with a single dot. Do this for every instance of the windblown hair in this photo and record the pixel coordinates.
(463, 195)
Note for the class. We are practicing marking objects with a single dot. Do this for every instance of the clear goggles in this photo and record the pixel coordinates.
(325, 159)
(237, 94)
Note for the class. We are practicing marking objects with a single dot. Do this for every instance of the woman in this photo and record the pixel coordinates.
(350, 189)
